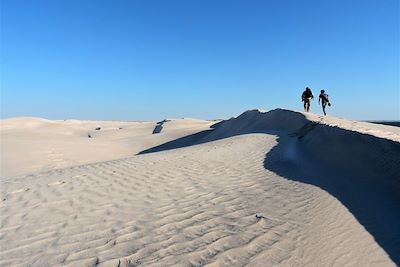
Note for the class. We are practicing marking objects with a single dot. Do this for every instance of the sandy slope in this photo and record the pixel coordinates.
(33, 144)
(258, 190)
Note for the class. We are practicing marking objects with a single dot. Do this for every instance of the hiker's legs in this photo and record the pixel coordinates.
(323, 108)
(306, 105)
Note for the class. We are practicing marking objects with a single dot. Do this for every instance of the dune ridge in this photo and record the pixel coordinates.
(358, 147)
(263, 189)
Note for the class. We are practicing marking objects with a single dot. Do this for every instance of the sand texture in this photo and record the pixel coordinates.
(277, 188)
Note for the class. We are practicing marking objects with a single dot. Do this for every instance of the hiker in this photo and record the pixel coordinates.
(306, 97)
(323, 99)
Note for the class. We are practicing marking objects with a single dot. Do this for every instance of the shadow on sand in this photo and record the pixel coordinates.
(367, 186)
(362, 171)
(178, 143)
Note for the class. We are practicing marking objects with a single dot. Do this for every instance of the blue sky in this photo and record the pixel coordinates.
(147, 60)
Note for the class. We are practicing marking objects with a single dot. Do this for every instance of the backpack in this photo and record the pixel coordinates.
(307, 94)
(324, 97)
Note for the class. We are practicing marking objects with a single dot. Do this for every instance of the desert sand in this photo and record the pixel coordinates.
(276, 188)
(33, 144)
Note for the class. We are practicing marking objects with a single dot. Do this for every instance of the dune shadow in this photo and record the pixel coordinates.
(185, 141)
(363, 176)
(360, 170)
(251, 121)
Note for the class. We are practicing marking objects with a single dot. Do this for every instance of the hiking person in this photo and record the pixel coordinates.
(306, 97)
(324, 99)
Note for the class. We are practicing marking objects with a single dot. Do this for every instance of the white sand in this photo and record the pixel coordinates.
(264, 189)
(32, 144)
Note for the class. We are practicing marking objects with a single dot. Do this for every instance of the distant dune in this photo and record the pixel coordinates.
(392, 123)
(33, 144)
(276, 188)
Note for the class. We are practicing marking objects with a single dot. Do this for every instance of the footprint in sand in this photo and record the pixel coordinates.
(78, 176)
(20, 190)
(56, 159)
(56, 183)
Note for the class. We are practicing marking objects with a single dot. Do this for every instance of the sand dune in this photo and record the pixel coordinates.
(34, 144)
(277, 188)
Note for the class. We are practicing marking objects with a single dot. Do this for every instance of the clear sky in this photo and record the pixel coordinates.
(148, 60)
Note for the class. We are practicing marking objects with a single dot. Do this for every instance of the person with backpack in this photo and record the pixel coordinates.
(306, 97)
(324, 100)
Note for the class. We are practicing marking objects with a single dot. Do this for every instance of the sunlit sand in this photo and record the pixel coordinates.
(277, 188)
